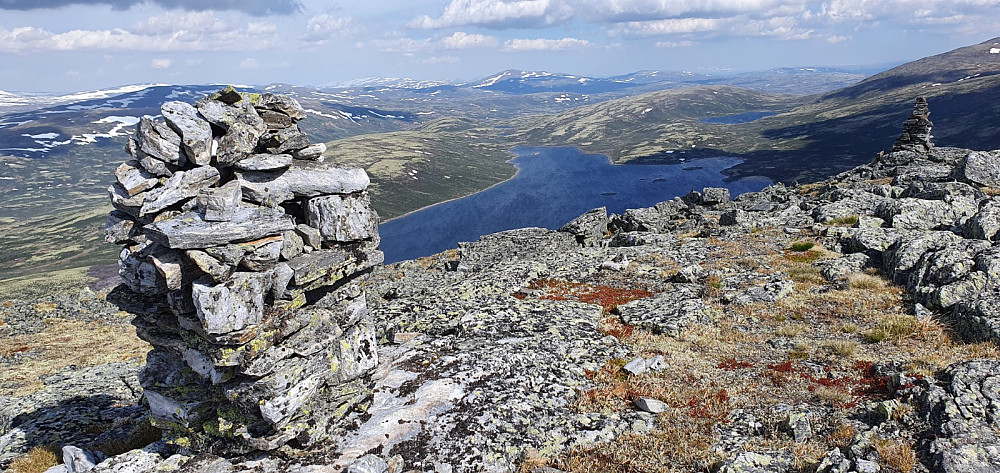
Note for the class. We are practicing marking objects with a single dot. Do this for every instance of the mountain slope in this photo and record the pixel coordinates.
(810, 138)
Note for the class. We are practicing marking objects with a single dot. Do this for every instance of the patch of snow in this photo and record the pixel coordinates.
(650, 109)
(103, 94)
(28, 150)
(43, 136)
(120, 123)
(178, 93)
(491, 80)
(125, 120)
(319, 113)
(382, 116)
(994, 50)
(238, 86)
(82, 107)
(12, 124)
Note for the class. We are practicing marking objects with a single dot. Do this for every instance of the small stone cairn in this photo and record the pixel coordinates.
(243, 254)
(916, 135)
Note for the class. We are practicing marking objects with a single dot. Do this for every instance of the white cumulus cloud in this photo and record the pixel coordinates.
(546, 44)
(324, 27)
(441, 60)
(249, 63)
(497, 14)
(667, 27)
(462, 40)
(675, 44)
(171, 31)
(695, 19)
(180, 21)
(162, 63)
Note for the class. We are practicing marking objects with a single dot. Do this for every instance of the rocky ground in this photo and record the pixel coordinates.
(844, 326)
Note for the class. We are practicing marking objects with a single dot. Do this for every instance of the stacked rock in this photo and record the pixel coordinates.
(243, 253)
(916, 130)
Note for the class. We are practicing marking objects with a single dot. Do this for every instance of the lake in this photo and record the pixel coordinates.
(552, 187)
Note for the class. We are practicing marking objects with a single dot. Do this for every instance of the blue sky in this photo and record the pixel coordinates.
(71, 45)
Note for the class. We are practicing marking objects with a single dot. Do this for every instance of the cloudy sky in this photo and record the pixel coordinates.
(71, 45)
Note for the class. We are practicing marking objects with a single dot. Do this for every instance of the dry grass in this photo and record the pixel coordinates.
(44, 307)
(806, 273)
(991, 191)
(866, 282)
(842, 436)
(848, 221)
(730, 364)
(532, 460)
(791, 330)
(681, 444)
(832, 396)
(812, 189)
(65, 343)
(896, 454)
(896, 327)
(37, 460)
(844, 348)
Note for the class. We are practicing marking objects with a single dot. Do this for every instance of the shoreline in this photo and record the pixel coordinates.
(517, 172)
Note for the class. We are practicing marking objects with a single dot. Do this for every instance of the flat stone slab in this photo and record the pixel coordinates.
(302, 179)
(312, 266)
(265, 162)
(189, 230)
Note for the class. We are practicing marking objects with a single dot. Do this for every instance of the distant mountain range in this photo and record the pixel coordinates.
(426, 142)
(34, 125)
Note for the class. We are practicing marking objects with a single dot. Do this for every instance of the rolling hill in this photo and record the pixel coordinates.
(810, 138)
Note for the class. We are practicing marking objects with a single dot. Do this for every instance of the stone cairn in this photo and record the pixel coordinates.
(916, 135)
(242, 262)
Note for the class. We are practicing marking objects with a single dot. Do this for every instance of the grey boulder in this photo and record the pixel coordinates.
(980, 168)
(342, 218)
(220, 204)
(195, 132)
(134, 179)
(182, 186)
(233, 305)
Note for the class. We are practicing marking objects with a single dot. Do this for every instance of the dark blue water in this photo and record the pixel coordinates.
(552, 187)
(745, 117)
